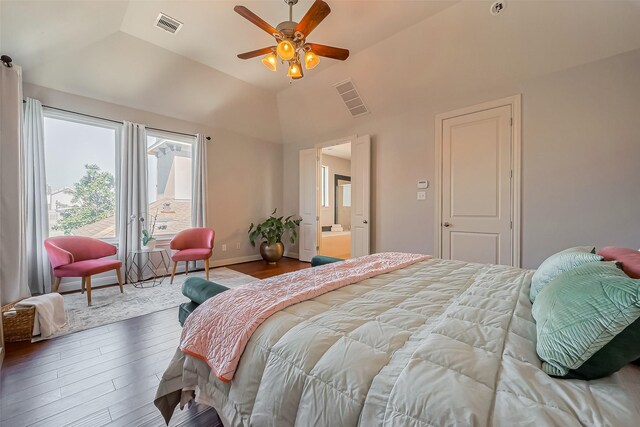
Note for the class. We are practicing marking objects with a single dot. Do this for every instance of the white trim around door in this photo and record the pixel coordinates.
(516, 162)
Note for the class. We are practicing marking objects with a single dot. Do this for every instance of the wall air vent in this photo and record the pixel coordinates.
(168, 23)
(351, 98)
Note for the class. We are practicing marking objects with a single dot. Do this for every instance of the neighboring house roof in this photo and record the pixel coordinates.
(176, 218)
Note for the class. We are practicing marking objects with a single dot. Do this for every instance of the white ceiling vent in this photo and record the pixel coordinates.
(352, 99)
(168, 23)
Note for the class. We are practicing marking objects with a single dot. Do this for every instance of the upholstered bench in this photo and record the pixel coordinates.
(322, 260)
(198, 290)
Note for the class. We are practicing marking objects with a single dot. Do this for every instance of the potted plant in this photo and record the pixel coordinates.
(271, 231)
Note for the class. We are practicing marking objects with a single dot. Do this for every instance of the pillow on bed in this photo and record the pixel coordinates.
(587, 322)
(630, 259)
(558, 263)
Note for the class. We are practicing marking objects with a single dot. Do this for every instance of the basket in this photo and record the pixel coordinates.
(17, 322)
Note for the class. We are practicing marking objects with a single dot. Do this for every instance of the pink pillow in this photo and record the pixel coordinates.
(630, 259)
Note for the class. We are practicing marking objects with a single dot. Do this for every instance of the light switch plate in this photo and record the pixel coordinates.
(422, 195)
(423, 184)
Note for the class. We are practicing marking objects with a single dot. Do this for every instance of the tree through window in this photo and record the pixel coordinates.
(80, 158)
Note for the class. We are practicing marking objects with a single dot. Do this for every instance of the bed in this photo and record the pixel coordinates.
(435, 343)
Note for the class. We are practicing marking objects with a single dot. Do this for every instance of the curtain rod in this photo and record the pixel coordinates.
(6, 61)
(208, 138)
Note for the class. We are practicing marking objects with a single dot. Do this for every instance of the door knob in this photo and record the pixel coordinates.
(365, 222)
(446, 224)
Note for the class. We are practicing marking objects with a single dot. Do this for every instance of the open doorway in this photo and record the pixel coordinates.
(335, 201)
(340, 229)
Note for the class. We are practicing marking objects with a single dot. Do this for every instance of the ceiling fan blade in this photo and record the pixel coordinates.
(314, 16)
(329, 51)
(259, 52)
(255, 19)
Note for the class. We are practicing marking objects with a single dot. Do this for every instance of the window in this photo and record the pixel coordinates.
(325, 186)
(80, 158)
(169, 167)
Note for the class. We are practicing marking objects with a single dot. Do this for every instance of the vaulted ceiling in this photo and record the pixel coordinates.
(111, 50)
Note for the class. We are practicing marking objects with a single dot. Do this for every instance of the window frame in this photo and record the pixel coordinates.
(325, 200)
(79, 118)
(178, 137)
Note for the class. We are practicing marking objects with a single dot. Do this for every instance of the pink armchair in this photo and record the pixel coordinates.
(194, 244)
(77, 256)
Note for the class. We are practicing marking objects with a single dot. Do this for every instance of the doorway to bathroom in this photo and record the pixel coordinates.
(335, 201)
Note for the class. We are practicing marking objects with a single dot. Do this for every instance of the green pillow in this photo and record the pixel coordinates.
(558, 263)
(587, 321)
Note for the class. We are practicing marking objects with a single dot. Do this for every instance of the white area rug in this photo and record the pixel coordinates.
(108, 305)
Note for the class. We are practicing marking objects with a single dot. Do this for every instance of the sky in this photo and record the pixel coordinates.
(69, 146)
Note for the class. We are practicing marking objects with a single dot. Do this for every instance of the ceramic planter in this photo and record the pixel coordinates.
(272, 253)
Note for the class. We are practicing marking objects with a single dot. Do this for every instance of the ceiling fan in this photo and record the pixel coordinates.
(291, 38)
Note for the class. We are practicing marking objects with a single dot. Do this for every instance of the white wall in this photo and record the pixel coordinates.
(581, 145)
(578, 68)
(244, 174)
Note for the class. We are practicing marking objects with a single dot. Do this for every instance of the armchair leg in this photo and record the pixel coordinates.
(84, 281)
(56, 284)
(206, 267)
(88, 282)
(119, 273)
(186, 268)
(173, 273)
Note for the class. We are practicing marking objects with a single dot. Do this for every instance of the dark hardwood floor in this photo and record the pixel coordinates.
(106, 376)
(262, 270)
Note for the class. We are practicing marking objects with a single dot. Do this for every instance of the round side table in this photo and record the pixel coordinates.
(143, 271)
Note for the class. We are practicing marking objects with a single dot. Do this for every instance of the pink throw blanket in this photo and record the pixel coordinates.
(218, 331)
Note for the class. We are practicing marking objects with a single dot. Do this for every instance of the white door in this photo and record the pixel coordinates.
(476, 187)
(360, 195)
(308, 204)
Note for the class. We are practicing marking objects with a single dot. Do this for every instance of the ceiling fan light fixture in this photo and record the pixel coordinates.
(295, 71)
(291, 40)
(270, 61)
(286, 50)
(311, 60)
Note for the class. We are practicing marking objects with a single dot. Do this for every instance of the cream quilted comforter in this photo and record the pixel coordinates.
(438, 343)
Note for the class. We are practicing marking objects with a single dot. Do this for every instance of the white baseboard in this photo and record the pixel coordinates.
(291, 254)
(238, 260)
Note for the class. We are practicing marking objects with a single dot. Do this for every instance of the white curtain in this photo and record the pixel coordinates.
(199, 183)
(132, 195)
(38, 271)
(13, 267)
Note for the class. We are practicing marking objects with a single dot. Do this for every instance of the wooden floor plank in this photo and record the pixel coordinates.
(116, 358)
(28, 383)
(96, 419)
(262, 270)
(20, 405)
(20, 373)
(137, 416)
(50, 411)
(105, 376)
(125, 380)
(188, 417)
